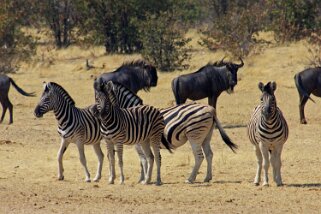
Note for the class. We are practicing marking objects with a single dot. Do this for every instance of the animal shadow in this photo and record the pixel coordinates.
(234, 126)
(308, 185)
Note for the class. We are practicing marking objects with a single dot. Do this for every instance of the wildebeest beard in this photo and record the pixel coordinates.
(230, 89)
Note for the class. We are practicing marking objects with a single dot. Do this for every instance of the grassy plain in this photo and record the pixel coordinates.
(28, 147)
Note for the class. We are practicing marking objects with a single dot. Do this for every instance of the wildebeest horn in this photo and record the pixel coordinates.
(242, 63)
(222, 60)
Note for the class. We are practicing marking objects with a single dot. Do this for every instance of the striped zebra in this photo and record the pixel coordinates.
(187, 122)
(75, 125)
(268, 131)
(142, 125)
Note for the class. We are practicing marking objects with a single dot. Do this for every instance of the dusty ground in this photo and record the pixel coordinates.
(28, 147)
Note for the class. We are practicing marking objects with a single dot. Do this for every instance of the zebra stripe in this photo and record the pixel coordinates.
(142, 125)
(75, 125)
(268, 131)
(193, 122)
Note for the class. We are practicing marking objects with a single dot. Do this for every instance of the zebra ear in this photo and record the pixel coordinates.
(110, 86)
(261, 86)
(45, 86)
(273, 86)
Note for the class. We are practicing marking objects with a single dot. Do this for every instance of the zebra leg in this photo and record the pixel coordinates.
(158, 160)
(266, 163)
(209, 157)
(100, 156)
(259, 158)
(119, 147)
(111, 158)
(63, 147)
(82, 159)
(199, 157)
(143, 162)
(150, 162)
(276, 164)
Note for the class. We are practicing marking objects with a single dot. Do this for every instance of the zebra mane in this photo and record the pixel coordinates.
(123, 95)
(126, 97)
(134, 63)
(109, 87)
(61, 91)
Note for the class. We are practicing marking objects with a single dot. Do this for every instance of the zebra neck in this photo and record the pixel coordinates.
(114, 118)
(272, 119)
(63, 113)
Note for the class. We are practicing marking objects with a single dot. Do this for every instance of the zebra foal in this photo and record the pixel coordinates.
(268, 131)
(142, 125)
(75, 125)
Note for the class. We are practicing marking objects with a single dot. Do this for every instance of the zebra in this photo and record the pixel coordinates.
(75, 125)
(187, 122)
(268, 131)
(194, 123)
(142, 125)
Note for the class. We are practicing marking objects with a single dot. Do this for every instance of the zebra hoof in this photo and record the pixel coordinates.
(88, 180)
(96, 180)
(61, 178)
(188, 182)
(145, 182)
(256, 183)
(266, 185)
(110, 182)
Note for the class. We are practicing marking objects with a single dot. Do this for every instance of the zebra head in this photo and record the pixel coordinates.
(51, 98)
(268, 100)
(105, 98)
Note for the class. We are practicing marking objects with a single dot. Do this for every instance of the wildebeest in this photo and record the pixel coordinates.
(209, 81)
(307, 81)
(135, 75)
(4, 99)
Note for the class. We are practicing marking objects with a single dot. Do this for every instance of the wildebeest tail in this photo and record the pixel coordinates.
(301, 89)
(32, 94)
(167, 144)
(175, 89)
(224, 136)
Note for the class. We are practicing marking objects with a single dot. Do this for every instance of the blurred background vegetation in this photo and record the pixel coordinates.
(155, 29)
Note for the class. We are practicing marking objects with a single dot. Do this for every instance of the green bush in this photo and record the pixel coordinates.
(163, 42)
(235, 29)
(15, 45)
(293, 19)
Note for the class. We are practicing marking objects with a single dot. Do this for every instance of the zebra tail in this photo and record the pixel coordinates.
(224, 136)
(175, 89)
(167, 144)
(301, 89)
(32, 94)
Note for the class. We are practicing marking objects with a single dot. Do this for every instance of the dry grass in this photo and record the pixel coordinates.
(28, 148)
